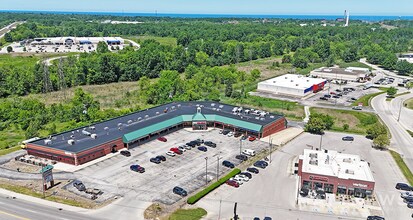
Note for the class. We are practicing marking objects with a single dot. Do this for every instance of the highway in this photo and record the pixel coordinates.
(18, 209)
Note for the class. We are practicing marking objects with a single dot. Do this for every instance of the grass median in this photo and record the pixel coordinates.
(187, 214)
(403, 167)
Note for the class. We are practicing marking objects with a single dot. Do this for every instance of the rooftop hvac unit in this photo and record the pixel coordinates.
(313, 155)
(71, 142)
(179, 105)
(274, 81)
(350, 171)
(213, 109)
(272, 116)
(92, 128)
(119, 124)
(157, 113)
(106, 128)
(130, 122)
(197, 105)
(262, 114)
(201, 106)
(262, 119)
(247, 111)
(94, 136)
(140, 118)
(258, 118)
(221, 106)
(212, 104)
(87, 133)
(286, 77)
(146, 116)
(173, 107)
(314, 162)
(48, 142)
(72, 136)
(291, 80)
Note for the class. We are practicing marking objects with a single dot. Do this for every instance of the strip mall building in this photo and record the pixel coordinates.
(88, 143)
(335, 173)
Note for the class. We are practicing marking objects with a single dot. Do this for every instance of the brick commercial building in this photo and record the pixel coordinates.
(354, 74)
(335, 173)
(88, 143)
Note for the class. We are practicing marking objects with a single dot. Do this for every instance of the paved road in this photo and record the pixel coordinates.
(401, 140)
(405, 114)
(9, 27)
(138, 46)
(386, 72)
(12, 209)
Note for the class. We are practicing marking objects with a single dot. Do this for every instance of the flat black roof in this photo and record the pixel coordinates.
(109, 130)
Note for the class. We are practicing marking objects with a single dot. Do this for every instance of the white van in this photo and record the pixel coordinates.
(249, 152)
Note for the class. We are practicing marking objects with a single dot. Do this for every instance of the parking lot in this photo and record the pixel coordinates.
(273, 192)
(18, 48)
(187, 170)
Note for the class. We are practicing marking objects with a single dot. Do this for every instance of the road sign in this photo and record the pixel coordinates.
(46, 168)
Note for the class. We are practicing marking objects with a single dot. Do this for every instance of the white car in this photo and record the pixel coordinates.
(230, 134)
(220, 131)
(187, 147)
(170, 153)
(182, 148)
(239, 181)
(406, 194)
(242, 178)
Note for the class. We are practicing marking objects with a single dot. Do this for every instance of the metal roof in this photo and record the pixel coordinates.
(150, 120)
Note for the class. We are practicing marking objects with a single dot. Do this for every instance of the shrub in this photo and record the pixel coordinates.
(193, 199)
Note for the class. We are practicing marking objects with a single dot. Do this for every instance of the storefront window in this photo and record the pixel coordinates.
(318, 185)
(341, 190)
(350, 191)
(199, 125)
(307, 184)
(359, 193)
(328, 188)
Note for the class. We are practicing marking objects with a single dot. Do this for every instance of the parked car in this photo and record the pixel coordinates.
(176, 150)
(267, 218)
(237, 134)
(408, 199)
(406, 194)
(155, 160)
(332, 93)
(137, 168)
(410, 205)
(253, 170)
(187, 147)
(375, 217)
(324, 98)
(163, 139)
(249, 175)
(242, 177)
(252, 138)
(327, 96)
(359, 108)
(230, 134)
(191, 144)
(179, 191)
(79, 185)
(170, 153)
(125, 153)
(304, 192)
(239, 181)
(403, 186)
(243, 138)
(182, 148)
(161, 158)
(210, 144)
(348, 138)
(336, 96)
(232, 183)
(228, 164)
(225, 132)
(221, 131)
(241, 157)
(260, 164)
(248, 152)
(338, 90)
(202, 148)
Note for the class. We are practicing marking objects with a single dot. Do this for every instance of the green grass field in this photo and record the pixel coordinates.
(409, 103)
(367, 98)
(187, 214)
(168, 41)
(358, 122)
(20, 61)
(353, 64)
(403, 167)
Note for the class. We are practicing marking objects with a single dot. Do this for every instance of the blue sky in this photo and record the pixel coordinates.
(268, 7)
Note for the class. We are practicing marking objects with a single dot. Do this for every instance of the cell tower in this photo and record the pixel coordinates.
(347, 17)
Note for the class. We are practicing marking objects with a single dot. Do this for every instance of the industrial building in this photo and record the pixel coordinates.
(88, 143)
(354, 74)
(76, 41)
(292, 85)
(335, 173)
(407, 57)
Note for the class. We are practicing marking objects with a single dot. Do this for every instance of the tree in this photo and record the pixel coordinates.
(9, 49)
(391, 91)
(286, 58)
(330, 61)
(228, 89)
(102, 47)
(33, 129)
(8, 38)
(315, 125)
(375, 130)
(381, 142)
(255, 74)
(300, 62)
(403, 67)
(409, 85)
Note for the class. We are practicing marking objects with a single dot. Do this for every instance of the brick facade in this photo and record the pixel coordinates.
(274, 127)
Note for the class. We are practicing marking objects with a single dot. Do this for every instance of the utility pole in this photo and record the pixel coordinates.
(235, 212)
(218, 157)
(206, 170)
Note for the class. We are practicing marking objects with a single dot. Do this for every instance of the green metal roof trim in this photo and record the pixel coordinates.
(198, 117)
(152, 128)
(179, 119)
(237, 123)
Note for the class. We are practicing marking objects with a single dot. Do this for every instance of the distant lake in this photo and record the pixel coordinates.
(300, 17)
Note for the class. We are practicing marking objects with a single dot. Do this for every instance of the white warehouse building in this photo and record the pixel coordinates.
(292, 85)
(354, 74)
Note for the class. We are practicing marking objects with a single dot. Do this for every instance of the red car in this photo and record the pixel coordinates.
(333, 93)
(252, 138)
(232, 183)
(163, 139)
(176, 150)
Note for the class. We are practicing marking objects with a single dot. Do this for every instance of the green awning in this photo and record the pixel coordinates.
(198, 117)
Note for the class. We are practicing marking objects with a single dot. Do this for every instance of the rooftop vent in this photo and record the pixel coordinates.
(130, 122)
(262, 119)
(71, 142)
(146, 116)
(157, 113)
(119, 124)
(258, 118)
(313, 162)
(94, 136)
(221, 106)
(92, 128)
(179, 105)
(350, 172)
(140, 118)
(48, 142)
(87, 133)
(347, 160)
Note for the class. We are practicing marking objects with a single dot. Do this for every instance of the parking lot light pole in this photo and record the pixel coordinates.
(321, 141)
(218, 157)
(270, 147)
(240, 146)
(206, 170)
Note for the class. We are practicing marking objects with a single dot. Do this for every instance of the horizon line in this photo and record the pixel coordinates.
(205, 13)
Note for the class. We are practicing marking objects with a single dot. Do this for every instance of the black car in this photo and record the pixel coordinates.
(324, 98)
(347, 138)
(179, 191)
(260, 164)
(336, 97)
(253, 170)
(228, 164)
(210, 144)
(267, 218)
(79, 185)
(225, 132)
(160, 157)
(304, 192)
(338, 90)
(354, 99)
(403, 186)
(155, 160)
(263, 162)
(375, 217)
(408, 199)
(191, 144)
(327, 96)
(241, 157)
(202, 148)
(249, 175)
(125, 153)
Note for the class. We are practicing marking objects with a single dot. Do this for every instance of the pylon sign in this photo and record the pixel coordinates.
(47, 175)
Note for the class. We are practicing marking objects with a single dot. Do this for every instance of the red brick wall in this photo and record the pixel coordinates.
(99, 151)
(274, 127)
(52, 154)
